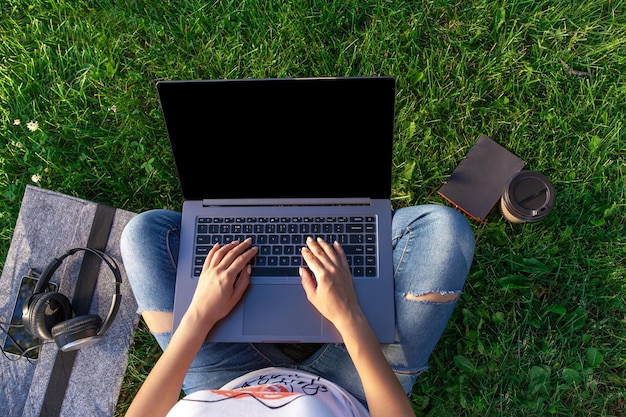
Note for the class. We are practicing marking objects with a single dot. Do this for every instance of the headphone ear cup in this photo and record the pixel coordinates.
(45, 311)
(77, 332)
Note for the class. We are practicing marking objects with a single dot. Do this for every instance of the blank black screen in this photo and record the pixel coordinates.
(281, 138)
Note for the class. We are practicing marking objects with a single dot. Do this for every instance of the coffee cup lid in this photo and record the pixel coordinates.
(529, 196)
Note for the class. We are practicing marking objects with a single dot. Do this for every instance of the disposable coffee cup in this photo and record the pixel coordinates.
(528, 196)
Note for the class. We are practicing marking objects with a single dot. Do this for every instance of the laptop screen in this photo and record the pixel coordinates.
(281, 138)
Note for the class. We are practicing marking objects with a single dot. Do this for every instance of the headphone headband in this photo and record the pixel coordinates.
(46, 275)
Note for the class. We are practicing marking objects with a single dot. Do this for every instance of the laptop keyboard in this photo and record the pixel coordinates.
(280, 239)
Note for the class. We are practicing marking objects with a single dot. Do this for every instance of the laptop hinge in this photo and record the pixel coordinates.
(287, 202)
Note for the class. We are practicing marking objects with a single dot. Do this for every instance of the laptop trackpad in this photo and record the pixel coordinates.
(278, 310)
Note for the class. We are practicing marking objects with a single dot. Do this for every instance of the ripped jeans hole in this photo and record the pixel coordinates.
(435, 297)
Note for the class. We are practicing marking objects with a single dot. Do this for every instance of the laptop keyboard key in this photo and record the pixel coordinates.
(258, 271)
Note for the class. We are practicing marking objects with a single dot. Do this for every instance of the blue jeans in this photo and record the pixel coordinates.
(433, 248)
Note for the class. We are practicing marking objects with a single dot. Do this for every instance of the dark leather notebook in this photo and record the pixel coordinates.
(477, 182)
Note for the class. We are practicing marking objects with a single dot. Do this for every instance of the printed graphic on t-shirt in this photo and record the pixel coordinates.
(292, 382)
(276, 392)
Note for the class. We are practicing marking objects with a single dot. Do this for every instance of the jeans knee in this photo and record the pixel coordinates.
(433, 250)
(127, 239)
(149, 239)
(140, 231)
(454, 224)
(129, 232)
(436, 221)
(454, 232)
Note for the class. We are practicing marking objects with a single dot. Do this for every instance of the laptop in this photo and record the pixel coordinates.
(280, 160)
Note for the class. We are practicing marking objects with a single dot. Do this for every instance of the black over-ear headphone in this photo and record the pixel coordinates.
(49, 315)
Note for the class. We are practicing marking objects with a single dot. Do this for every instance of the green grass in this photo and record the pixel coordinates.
(541, 328)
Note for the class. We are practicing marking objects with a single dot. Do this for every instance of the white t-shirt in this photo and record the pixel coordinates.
(273, 392)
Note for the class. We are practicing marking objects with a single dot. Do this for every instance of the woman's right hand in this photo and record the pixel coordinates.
(328, 286)
(328, 282)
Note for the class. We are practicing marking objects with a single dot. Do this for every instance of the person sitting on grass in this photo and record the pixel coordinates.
(433, 247)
